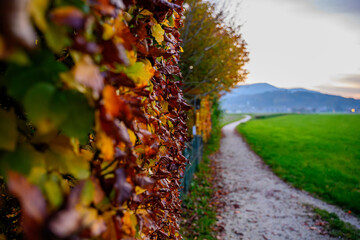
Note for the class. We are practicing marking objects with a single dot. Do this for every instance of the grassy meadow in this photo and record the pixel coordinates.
(317, 153)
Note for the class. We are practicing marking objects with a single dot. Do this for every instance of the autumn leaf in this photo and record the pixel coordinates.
(111, 101)
(106, 146)
(158, 33)
(88, 74)
(109, 31)
(140, 72)
(99, 117)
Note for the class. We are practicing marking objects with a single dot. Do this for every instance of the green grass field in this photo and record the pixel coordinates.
(317, 153)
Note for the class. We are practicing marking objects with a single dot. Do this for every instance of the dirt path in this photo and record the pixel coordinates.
(259, 205)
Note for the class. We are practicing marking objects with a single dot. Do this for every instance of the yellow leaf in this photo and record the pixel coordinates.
(131, 55)
(129, 224)
(37, 11)
(146, 12)
(106, 146)
(164, 106)
(132, 136)
(139, 190)
(140, 72)
(158, 33)
(127, 17)
(166, 23)
(109, 31)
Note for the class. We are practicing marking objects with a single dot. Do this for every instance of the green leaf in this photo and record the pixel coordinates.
(87, 194)
(56, 38)
(171, 20)
(37, 106)
(80, 116)
(8, 132)
(78, 167)
(19, 57)
(53, 193)
(43, 68)
(61, 158)
(21, 160)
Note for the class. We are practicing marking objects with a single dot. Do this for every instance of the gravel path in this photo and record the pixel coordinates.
(259, 205)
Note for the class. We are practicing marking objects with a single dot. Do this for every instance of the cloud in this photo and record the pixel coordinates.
(342, 91)
(353, 80)
(345, 85)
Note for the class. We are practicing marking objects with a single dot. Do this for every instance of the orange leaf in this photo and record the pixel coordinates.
(111, 101)
(106, 146)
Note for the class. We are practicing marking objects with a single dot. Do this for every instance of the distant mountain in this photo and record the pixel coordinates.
(263, 97)
(254, 89)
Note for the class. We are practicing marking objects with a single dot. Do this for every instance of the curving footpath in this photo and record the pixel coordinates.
(259, 205)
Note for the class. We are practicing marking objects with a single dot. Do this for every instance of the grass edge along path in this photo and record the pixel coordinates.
(288, 159)
(199, 209)
(334, 226)
(199, 212)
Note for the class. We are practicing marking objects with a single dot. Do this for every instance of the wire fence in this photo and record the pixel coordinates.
(193, 152)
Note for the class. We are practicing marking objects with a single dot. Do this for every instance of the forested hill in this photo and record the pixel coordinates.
(263, 97)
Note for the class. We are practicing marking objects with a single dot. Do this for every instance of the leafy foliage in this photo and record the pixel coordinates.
(92, 119)
(214, 54)
(213, 60)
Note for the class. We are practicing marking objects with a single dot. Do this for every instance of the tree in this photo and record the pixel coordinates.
(214, 54)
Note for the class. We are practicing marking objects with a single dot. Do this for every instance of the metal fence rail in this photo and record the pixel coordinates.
(193, 152)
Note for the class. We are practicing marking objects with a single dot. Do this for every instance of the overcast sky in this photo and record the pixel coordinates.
(313, 44)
